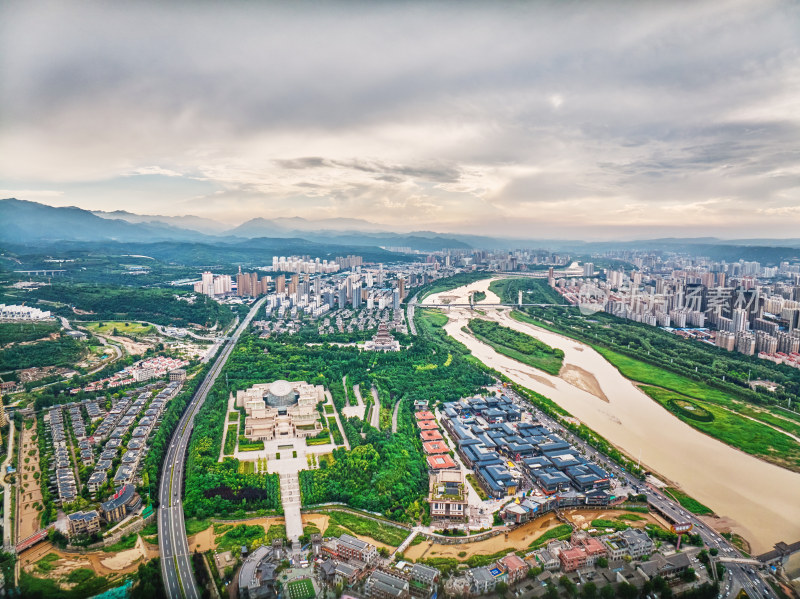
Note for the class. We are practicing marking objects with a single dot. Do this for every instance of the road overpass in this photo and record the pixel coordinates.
(176, 560)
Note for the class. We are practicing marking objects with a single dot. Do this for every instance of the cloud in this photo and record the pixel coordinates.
(475, 116)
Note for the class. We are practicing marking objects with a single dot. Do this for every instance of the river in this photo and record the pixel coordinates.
(758, 500)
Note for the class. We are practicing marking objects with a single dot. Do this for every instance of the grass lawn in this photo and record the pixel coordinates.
(630, 517)
(107, 327)
(688, 503)
(301, 589)
(475, 485)
(777, 418)
(433, 317)
(242, 534)
(126, 542)
(47, 562)
(383, 533)
(788, 413)
(319, 441)
(653, 375)
(751, 437)
(194, 526)
(560, 531)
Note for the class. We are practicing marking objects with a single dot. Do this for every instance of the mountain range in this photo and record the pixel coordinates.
(25, 222)
(30, 223)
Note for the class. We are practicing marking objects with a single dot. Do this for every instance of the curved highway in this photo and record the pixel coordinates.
(176, 566)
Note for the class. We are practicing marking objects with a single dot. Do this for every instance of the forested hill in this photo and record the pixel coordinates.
(250, 252)
(160, 306)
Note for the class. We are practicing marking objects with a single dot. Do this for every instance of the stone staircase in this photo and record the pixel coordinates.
(290, 497)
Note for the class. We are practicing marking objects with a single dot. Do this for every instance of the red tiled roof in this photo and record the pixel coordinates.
(427, 424)
(441, 462)
(425, 415)
(430, 435)
(435, 447)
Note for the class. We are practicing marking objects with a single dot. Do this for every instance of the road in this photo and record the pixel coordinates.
(412, 304)
(394, 416)
(176, 566)
(338, 420)
(737, 576)
(8, 541)
(376, 410)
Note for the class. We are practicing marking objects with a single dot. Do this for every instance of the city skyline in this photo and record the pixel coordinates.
(612, 121)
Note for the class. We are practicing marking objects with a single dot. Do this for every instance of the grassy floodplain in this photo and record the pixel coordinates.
(754, 438)
(689, 503)
(743, 425)
(519, 346)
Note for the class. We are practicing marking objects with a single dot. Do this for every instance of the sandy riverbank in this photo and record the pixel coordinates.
(758, 499)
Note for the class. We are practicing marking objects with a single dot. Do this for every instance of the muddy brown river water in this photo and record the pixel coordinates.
(760, 500)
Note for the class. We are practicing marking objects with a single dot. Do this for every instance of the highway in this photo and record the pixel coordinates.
(176, 566)
(737, 575)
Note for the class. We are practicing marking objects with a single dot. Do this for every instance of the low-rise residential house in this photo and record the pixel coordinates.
(345, 573)
(125, 501)
(124, 475)
(666, 567)
(349, 547)
(83, 523)
(515, 567)
(482, 581)
(96, 480)
(632, 542)
(543, 558)
(382, 585)
(423, 580)
(593, 548)
(572, 559)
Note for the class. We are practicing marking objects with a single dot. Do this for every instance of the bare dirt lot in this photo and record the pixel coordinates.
(29, 494)
(206, 540)
(131, 346)
(523, 536)
(518, 538)
(101, 562)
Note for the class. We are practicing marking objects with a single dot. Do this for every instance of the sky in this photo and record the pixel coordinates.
(594, 120)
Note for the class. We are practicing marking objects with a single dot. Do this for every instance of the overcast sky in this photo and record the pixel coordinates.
(541, 119)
